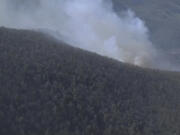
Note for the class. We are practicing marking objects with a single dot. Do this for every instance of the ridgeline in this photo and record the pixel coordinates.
(50, 88)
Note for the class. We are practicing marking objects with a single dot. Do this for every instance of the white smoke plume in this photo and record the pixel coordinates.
(88, 24)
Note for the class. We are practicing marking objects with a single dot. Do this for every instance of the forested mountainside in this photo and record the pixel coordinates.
(50, 88)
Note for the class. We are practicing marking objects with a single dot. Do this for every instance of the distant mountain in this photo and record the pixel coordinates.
(50, 88)
(163, 20)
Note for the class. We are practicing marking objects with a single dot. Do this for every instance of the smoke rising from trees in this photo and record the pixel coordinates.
(88, 24)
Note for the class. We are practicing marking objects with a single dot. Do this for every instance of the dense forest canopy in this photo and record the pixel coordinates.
(50, 88)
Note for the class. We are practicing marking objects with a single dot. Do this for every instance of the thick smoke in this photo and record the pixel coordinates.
(88, 24)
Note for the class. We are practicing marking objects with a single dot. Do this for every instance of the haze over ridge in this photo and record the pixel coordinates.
(88, 24)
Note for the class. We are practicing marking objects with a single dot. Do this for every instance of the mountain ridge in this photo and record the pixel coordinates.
(48, 87)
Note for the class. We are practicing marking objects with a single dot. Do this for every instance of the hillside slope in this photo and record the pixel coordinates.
(49, 88)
